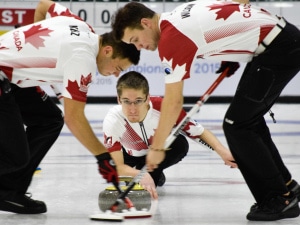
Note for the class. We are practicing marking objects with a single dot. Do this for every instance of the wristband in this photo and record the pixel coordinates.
(159, 150)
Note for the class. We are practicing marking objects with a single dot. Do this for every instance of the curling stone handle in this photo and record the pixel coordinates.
(125, 178)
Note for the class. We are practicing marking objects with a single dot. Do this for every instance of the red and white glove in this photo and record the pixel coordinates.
(233, 66)
(107, 168)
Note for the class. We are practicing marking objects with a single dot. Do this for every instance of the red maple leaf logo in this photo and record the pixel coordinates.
(85, 81)
(33, 35)
(225, 9)
(74, 90)
(67, 12)
(79, 92)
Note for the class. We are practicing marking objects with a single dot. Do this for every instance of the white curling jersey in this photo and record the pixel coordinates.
(119, 132)
(216, 30)
(61, 49)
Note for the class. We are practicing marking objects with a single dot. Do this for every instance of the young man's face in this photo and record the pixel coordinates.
(135, 104)
(146, 38)
(109, 66)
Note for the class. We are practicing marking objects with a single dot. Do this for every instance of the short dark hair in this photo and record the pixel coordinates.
(121, 49)
(132, 80)
(129, 16)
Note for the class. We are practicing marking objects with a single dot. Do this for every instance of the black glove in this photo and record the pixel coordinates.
(107, 168)
(233, 66)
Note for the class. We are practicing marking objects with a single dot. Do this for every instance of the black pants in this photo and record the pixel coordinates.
(179, 149)
(244, 125)
(30, 122)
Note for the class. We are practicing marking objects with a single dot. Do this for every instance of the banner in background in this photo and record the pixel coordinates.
(14, 16)
(98, 14)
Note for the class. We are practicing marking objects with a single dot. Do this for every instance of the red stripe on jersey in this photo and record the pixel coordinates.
(176, 47)
(264, 30)
(227, 31)
(132, 139)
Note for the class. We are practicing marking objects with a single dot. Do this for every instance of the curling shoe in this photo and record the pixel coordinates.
(22, 204)
(295, 187)
(276, 208)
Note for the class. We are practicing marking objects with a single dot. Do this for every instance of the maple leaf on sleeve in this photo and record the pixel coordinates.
(191, 130)
(74, 90)
(225, 9)
(34, 35)
(59, 10)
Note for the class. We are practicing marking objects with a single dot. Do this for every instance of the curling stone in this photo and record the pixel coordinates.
(140, 198)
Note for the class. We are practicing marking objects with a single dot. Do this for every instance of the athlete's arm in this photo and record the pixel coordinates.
(223, 152)
(78, 124)
(170, 110)
(42, 9)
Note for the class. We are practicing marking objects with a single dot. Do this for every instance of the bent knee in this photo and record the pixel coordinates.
(56, 120)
